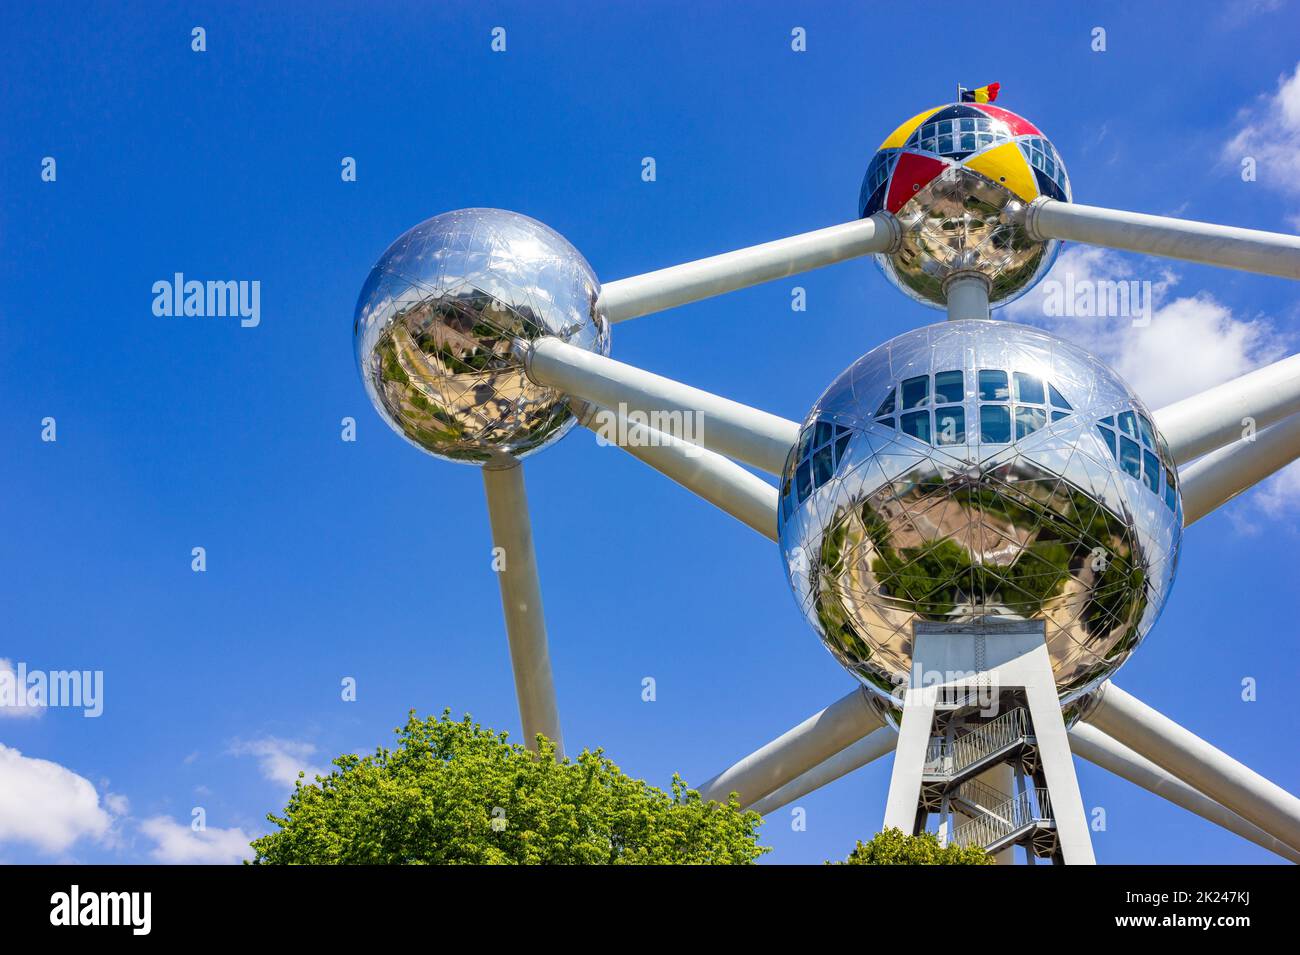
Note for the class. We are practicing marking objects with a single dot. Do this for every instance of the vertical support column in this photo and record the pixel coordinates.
(1056, 759)
(967, 294)
(909, 758)
(521, 602)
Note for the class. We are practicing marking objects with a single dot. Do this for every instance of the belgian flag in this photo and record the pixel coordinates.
(981, 94)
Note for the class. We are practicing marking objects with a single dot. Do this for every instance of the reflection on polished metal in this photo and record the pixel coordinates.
(980, 470)
(957, 178)
(437, 319)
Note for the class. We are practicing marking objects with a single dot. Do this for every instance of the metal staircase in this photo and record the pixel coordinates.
(968, 755)
(997, 820)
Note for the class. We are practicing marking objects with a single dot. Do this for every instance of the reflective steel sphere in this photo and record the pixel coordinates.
(956, 177)
(436, 321)
(980, 469)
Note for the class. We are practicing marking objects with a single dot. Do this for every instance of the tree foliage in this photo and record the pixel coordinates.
(894, 847)
(453, 792)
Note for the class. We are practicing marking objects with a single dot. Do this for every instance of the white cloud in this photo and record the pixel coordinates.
(1277, 496)
(1190, 343)
(1270, 133)
(1272, 502)
(117, 804)
(13, 704)
(280, 760)
(46, 805)
(176, 843)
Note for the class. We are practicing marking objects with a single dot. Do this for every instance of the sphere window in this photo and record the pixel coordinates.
(1151, 471)
(1108, 436)
(949, 387)
(1029, 389)
(823, 465)
(1148, 432)
(916, 392)
(1171, 491)
(1128, 424)
(993, 385)
(886, 406)
(1130, 458)
(917, 424)
(950, 425)
(1029, 420)
(995, 423)
(803, 478)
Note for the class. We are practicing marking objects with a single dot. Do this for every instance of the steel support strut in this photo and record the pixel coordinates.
(521, 601)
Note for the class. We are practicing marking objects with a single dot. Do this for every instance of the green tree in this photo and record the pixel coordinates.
(894, 847)
(455, 793)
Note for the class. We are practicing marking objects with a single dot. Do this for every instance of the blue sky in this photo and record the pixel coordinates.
(329, 559)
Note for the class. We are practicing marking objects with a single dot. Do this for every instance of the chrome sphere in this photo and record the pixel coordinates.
(980, 469)
(957, 177)
(437, 319)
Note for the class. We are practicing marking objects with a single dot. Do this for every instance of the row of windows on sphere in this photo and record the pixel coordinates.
(929, 408)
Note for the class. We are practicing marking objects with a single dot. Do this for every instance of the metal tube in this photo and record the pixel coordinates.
(719, 424)
(871, 747)
(796, 751)
(705, 278)
(1196, 762)
(1219, 416)
(1268, 253)
(721, 482)
(521, 601)
(1214, 480)
(1096, 747)
(967, 294)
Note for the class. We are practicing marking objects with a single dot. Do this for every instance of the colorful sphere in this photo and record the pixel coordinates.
(974, 470)
(956, 178)
(438, 321)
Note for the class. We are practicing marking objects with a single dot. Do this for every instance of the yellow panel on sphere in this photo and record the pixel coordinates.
(899, 136)
(1006, 165)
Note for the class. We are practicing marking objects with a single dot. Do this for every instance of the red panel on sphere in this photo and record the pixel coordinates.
(911, 175)
(1019, 125)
